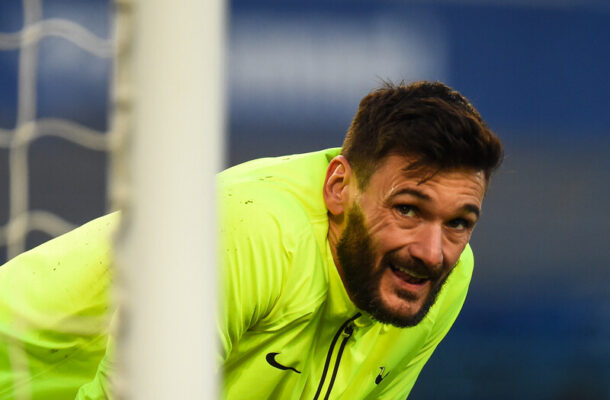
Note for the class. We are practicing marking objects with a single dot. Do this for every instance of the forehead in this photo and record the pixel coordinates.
(395, 173)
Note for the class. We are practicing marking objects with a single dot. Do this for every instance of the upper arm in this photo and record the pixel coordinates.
(252, 258)
(54, 312)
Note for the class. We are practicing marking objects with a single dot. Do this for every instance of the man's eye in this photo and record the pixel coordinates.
(459, 223)
(407, 211)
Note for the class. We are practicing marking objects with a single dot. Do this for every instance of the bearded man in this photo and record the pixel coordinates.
(343, 269)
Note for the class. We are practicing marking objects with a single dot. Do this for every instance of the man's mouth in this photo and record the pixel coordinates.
(408, 275)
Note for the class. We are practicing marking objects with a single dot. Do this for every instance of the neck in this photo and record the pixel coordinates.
(334, 233)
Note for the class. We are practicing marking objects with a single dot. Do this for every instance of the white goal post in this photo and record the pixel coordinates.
(169, 97)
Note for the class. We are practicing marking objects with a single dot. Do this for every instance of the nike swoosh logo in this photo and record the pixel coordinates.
(271, 360)
(380, 377)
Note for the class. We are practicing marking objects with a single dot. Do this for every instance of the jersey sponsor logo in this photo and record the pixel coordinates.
(271, 360)
(381, 376)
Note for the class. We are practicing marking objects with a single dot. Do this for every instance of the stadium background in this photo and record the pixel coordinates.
(536, 324)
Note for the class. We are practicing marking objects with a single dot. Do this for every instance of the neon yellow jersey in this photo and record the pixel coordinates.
(55, 315)
(288, 329)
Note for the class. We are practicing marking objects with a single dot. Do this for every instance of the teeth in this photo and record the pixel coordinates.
(411, 273)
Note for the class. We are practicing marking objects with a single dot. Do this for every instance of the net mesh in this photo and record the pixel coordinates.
(22, 217)
(191, 154)
(49, 40)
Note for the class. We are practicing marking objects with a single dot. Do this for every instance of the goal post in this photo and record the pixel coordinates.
(169, 100)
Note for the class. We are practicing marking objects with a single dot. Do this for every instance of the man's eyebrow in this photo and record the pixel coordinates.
(472, 208)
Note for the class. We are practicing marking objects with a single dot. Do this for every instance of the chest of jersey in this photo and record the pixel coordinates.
(321, 356)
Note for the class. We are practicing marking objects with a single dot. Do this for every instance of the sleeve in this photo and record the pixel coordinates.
(54, 313)
(252, 262)
(102, 384)
(443, 314)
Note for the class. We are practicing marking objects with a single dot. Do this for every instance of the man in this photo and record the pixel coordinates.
(341, 269)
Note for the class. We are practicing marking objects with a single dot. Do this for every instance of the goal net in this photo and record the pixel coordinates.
(163, 144)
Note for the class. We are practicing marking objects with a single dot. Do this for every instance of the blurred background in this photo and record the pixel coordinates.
(536, 324)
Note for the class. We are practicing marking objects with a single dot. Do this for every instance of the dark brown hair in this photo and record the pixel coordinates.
(428, 121)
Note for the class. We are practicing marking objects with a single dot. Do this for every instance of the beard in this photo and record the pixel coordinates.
(362, 280)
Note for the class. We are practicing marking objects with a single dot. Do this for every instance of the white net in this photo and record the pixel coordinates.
(22, 218)
(164, 97)
(46, 40)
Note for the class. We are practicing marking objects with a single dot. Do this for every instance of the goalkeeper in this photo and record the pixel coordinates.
(341, 270)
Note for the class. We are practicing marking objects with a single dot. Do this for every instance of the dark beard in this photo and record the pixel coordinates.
(362, 280)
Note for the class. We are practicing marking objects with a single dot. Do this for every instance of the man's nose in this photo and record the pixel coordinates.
(428, 245)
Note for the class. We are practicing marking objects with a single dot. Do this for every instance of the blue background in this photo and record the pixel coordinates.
(536, 324)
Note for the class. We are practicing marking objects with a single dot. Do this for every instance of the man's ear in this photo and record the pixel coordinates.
(339, 176)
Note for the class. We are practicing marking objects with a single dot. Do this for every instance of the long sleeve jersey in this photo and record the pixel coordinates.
(55, 317)
(288, 328)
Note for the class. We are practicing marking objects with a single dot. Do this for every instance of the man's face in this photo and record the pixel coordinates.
(403, 236)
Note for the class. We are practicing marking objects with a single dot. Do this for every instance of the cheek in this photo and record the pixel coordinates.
(389, 238)
(377, 226)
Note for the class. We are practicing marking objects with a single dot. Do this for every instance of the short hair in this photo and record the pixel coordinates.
(428, 121)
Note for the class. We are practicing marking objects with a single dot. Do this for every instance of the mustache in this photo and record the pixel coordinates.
(416, 266)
